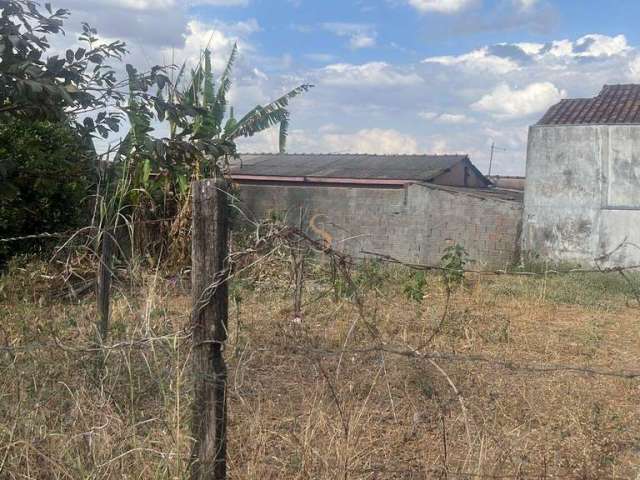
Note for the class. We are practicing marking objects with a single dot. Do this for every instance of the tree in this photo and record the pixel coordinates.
(52, 88)
(46, 178)
(82, 90)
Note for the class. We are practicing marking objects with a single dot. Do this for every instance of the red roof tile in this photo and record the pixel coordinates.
(616, 104)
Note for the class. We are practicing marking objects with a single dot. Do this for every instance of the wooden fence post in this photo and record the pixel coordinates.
(209, 251)
(104, 284)
(297, 257)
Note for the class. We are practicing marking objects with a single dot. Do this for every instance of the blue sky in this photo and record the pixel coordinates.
(393, 76)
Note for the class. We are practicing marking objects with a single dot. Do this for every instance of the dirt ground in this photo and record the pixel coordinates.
(378, 384)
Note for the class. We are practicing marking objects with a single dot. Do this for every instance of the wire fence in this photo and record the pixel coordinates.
(275, 237)
(293, 237)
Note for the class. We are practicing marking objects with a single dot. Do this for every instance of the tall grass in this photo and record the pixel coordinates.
(299, 411)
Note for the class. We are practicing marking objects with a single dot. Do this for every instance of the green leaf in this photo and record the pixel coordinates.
(146, 172)
(261, 118)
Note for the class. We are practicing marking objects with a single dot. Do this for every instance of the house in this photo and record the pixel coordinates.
(346, 169)
(582, 200)
(410, 207)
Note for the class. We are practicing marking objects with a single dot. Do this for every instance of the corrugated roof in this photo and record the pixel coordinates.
(382, 167)
(616, 104)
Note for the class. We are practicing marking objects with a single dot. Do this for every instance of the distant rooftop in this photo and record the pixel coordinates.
(616, 104)
(419, 168)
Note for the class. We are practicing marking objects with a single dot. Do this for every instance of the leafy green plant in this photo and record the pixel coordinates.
(45, 179)
(81, 90)
(76, 87)
(213, 126)
(453, 261)
(203, 130)
(414, 286)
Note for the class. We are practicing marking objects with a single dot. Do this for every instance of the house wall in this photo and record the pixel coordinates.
(413, 224)
(582, 200)
(456, 177)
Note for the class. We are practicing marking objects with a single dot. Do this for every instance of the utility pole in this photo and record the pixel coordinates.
(493, 152)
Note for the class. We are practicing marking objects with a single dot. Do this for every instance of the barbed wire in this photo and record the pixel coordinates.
(399, 350)
(444, 472)
(88, 228)
(295, 235)
(37, 236)
(501, 272)
(57, 344)
(515, 366)
(320, 246)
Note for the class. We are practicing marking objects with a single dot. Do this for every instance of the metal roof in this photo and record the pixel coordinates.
(343, 166)
(616, 104)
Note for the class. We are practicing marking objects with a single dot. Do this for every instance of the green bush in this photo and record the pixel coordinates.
(45, 179)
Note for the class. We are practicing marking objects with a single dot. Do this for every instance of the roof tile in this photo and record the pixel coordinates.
(616, 104)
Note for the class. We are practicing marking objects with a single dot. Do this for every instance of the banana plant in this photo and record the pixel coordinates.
(210, 127)
(203, 130)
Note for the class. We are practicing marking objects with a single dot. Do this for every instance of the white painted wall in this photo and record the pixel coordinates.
(582, 199)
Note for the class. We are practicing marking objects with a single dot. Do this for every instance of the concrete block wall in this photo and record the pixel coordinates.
(488, 228)
(414, 224)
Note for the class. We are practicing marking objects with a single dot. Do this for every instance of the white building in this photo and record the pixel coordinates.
(582, 199)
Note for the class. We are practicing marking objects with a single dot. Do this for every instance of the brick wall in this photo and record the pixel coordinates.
(413, 224)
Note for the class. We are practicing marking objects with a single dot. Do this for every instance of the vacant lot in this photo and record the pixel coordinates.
(340, 394)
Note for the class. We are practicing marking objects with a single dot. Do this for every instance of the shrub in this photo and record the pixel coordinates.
(453, 262)
(45, 178)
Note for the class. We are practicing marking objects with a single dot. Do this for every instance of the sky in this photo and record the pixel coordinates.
(390, 76)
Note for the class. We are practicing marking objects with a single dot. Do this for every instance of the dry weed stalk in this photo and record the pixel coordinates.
(333, 397)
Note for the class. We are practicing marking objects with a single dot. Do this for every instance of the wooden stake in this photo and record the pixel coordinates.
(209, 253)
(104, 284)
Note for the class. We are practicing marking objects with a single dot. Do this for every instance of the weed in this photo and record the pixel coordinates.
(453, 262)
(414, 286)
(60, 417)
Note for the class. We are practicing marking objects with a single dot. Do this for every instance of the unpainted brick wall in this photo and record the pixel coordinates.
(414, 224)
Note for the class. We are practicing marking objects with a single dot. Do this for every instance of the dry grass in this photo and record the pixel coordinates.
(301, 410)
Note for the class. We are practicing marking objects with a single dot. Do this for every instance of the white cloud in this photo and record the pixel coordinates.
(634, 69)
(222, 3)
(506, 102)
(439, 146)
(166, 4)
(362, 41)
(372, 140)
(454, 118)
(505, 58)
(529, 48)
(428, 115)
(480, 59)
(144, 4)
(218, 38)
(321, 57)
(525, 4)
(260, 74)
(589, 46)
(441, 6)
(360, 35)
(446, 118)
(596, 45)
(379, 74)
